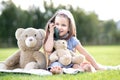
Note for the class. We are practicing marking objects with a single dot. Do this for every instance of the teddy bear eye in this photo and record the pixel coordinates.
(26, 35)
(35, 35)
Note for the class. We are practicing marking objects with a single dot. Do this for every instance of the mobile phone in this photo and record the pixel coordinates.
(56, 34)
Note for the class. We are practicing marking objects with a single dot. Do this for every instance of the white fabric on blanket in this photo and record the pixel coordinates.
(71, 71)
(40, 71)
(32, 71)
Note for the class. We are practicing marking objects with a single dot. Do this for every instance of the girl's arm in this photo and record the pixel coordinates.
(48, 46)
(83, 51)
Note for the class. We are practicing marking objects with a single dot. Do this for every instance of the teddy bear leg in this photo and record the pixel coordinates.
(2, 66)
(31, 65)
(78, 59)
(65, 60)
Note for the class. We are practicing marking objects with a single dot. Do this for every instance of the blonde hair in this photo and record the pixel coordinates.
(64, 13)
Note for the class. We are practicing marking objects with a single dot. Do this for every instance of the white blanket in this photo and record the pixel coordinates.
(40, 71)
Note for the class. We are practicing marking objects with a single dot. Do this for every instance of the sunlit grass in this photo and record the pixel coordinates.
(108, 55)
(6, 52)
(101, 75)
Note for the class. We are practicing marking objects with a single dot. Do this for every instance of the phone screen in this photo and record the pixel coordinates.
(56, 34)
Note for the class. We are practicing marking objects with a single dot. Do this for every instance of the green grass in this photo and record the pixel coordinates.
(101, 75)
(107, 55)
(6, 52)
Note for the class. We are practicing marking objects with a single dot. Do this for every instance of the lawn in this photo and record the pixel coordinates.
(107, 55)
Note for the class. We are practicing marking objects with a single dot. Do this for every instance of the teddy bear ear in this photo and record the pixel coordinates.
(42, 33)
(18, 32)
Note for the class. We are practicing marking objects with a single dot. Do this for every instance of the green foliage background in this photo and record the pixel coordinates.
(90, 30)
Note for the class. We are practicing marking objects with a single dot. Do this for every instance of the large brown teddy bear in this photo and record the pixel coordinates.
(63, 55)
(29, 40)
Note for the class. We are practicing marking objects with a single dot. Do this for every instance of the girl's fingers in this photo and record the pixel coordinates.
(51, 27)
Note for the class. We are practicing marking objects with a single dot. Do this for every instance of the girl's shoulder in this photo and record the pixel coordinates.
(73, 40)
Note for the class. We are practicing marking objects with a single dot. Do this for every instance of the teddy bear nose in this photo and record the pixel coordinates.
(30, 39)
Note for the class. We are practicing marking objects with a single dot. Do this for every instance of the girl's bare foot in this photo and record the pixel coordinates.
(56, 70)
(85, 67)
(77, 66)
(88, 67)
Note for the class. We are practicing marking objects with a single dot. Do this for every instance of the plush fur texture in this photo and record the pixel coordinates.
(63, 55)
(29, 40)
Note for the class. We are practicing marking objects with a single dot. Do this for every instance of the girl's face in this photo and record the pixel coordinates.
(62, 23)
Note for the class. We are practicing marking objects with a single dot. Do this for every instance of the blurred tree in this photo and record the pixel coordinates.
(37, 17)
(107, 32)
(117, 37)
(90, 30)
(8, 22)
(87, 25)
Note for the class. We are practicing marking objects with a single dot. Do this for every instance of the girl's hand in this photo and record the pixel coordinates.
(51, 27)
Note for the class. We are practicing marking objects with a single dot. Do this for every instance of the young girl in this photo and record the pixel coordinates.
(64, 21)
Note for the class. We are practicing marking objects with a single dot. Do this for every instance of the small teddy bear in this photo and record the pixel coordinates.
(29, 41)
(63, 55)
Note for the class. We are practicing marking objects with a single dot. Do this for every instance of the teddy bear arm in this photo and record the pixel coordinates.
(53, 57)
(13, 59)
(40, 59)
(72, 53)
